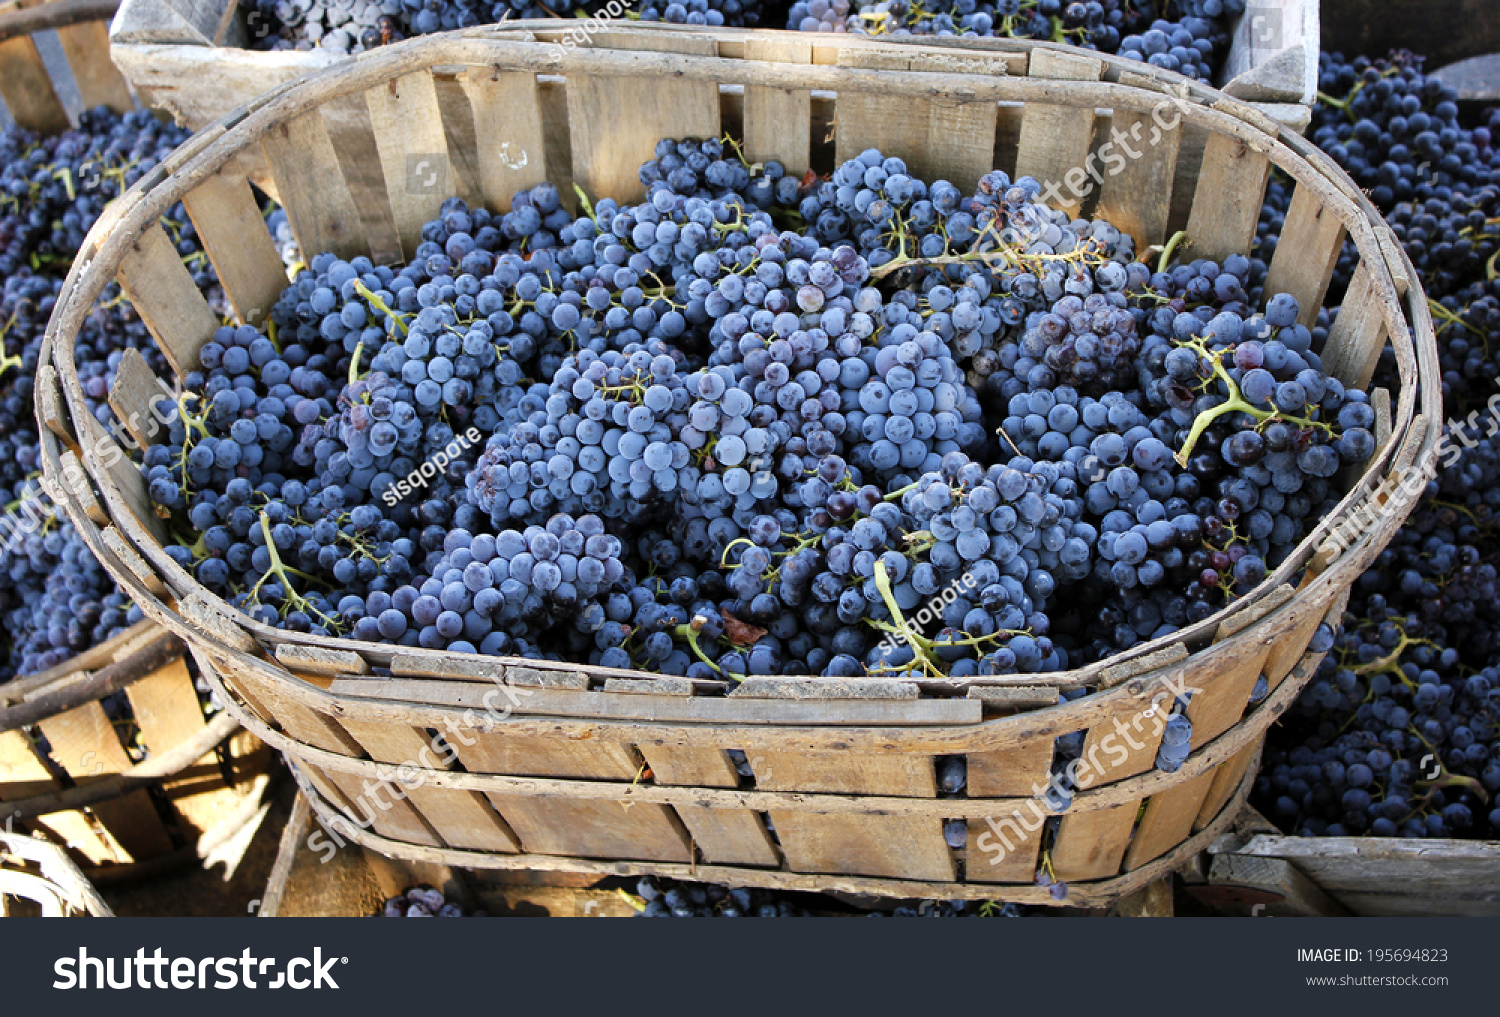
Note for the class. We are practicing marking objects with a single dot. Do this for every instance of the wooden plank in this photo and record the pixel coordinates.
(778, 121)
(408, 125)
(100, 83)
(135, 391)
(1307, 254)
(1227, 778)
(347, 120)
(1010, 773)
(588, 829)
(463, 819)
(697, 709)
(1004, 849)
(458, 128)
(155, 280)
(1357, 334)
(1392, 876)
(27, 88)
(902, 847)
(229, 224)
(312, 189)
(725, 836)
(53, 411)
(23, 774)
(1091, 845)
(1137, 192)
(84, 743)
(1226, 203)
(508, 133)
(1222, 695)
(1055, 140)
(320, 660)
(615, 122)
(1299, 897)
(1168, 820)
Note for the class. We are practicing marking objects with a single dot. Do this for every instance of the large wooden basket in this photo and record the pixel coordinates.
(557, 766)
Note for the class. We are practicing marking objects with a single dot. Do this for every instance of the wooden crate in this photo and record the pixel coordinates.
(65, 769)
(590, 770)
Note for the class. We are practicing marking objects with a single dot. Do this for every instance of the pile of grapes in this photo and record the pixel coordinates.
(1399, 732)
(424, 902)
(58, 600)
(759, 451)
(1187, 36)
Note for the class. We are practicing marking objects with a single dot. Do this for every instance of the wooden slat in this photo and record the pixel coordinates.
(458, 127)
(1137, 191)
(1004, 849)
(725, 836)
(615, 122)
(587, 829)
(84, 492)
(413, 147)
(1295, 896)
(902, 847)
(86, 46)
(778, 121)
(1357, 334)
(462, 818)
(1290, 648)
(1224, 692)
(507, 117)
(1010, 773)
(1226, 203)
(1055, 140)
(1091, 845)
(27, 89)
(1307, 254)
(52, 410)
(167, 709)
(23, 775)
(83, 742)
(347, 120)
(133, 394)
(229, 224)
(312, 189)
(1168, 820)
(156, 281)
(1227, 778)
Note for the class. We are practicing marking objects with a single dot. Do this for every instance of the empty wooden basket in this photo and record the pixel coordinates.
(556, 766)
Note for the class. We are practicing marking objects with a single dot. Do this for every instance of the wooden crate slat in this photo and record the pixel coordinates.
(1055, 140)
(936, 140)
(615, 122)
(1227, 778)
(508, 132)
(458, 129)
(1357, 334)
(725, 836)
(1227, 200)
(1290, 648)
(83, 742)
(902, 847)
(1224, 692)
(27, 88)
(100, 83)
(135, 391)
(160, 286)
(587, 829)
(229, 224)
(1137, 196)
(347, 120)
(463, 819)
(312, 189)
(408, 124)
(1091, 845)
(1007, 773)
(23, 775)
(778, 121)
(1168, 820)
(1307, 254)
(1004, 849)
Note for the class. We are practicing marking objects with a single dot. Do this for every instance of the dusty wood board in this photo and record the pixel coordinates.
(1357, 334)
(100, 83)
(725, 836)
(1299, 897)
(320, 660)
(1395, 877)
(23, 774)
(27, 89)
(1307, 254)
(778, 121)
(589, 829)
(1139, 162)
(311, 187)
(83, 742)
(408, 125)
(229, 224)
(1227, 200)
(508, 132)
(697, 709)
(160, 286)
(347, 119)
(133, 394)
(458, 128)
(1005, 773)
(614, 124)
